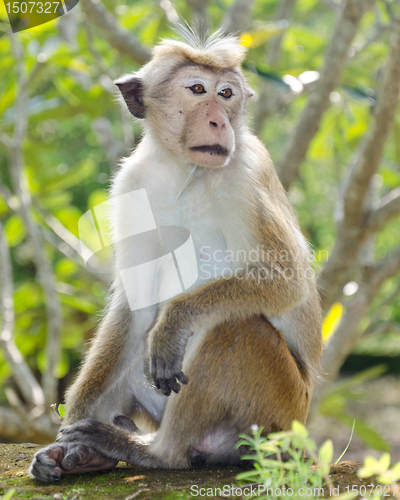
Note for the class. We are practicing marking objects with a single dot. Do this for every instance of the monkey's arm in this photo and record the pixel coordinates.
(270, 289)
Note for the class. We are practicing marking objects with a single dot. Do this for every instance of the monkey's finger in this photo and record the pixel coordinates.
(43, 472)
(173, 384)
(45, 459)
(51, 455)
(183, 379)
(157, 367)
(71, 460)
(76, 454)
(165, 389)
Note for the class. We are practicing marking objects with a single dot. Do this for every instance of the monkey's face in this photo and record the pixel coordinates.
(197, 114)
(210, 102)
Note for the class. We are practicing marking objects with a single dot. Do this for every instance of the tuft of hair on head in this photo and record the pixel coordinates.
(218, 50)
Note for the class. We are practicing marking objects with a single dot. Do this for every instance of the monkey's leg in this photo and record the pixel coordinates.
(111, 383)
(242, 374)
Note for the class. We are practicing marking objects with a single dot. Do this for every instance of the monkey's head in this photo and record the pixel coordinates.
(192, 97)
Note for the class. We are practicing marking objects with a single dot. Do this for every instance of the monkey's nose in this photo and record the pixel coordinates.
(218, 125)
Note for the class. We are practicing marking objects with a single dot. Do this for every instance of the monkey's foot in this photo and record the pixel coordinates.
(50, 463)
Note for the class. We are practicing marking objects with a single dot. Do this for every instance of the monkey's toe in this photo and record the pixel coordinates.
(46, 463)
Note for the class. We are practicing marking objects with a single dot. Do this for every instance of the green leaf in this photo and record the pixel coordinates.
(57, 200)
(299, 429)
(359, 378)
(97, 197)
(3, 205)
(326, 452)
(79, 303)
(384, 461)
(369, 468)
(333, 405)
(73, 177)
(15, 230)
(66, 267)
(9, 495)
(62, 410)
(372, 467)
(396, 132)
(62, 367)
(396, 471)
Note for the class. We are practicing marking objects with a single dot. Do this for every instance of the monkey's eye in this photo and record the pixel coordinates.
(197, 88)
(227, 93)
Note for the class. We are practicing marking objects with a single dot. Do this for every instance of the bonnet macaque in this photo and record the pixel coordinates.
(165, 383)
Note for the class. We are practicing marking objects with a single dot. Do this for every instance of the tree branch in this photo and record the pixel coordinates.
(376, 330)
(59, 237)
(24, 378)
(200, 13)
(331, 4)
(68, 239)
(284, 12)
(368, 160)
(330, 74)
(375, 317)
(6, 140)
(45, 274)
(42, 429)
(170, 11)
(238, 17)
(119, 37)
(389, 209)
(388, 266)
(349, 331)
(354, 224)
(270, 100)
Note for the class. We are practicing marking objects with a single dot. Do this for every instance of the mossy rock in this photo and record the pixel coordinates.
(132, 483)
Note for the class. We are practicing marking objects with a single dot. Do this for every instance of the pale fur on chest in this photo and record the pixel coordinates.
(214, 205)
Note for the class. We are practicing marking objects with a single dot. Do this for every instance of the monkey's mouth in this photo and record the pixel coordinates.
(216, 149)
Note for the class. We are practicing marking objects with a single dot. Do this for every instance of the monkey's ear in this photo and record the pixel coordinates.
(249, 92)
(131, 88)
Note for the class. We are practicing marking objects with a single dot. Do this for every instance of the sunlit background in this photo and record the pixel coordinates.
(62, 135)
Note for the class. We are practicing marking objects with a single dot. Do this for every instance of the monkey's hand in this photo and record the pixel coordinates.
(50, 463)
(168, 341)
(107, 439)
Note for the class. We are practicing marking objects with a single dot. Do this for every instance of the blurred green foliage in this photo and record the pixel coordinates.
(69, 164)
